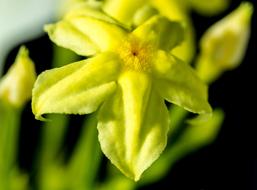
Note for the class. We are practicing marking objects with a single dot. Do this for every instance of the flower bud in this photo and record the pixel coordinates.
(16, 85)
(224, 44)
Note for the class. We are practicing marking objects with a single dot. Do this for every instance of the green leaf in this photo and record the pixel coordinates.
(86, 30)
(133, 125)
(85, 160)
(77, 88)
(178, 83)
(161, 32)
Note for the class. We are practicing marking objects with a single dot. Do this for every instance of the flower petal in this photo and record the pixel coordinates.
(209, 8)
(86, 30)
(133, 125)
(77, 88)
(161, 32)
(178, 83)
(175, 11)
(66, 35)
(123, 10)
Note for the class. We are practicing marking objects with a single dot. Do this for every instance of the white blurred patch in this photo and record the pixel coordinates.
(23, 20)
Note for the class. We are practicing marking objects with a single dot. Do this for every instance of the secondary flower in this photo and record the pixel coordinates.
(127, 79)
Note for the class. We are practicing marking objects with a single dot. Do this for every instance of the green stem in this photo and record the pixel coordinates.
(53, 134)
(9, 130)
(85, 161)
(177, 116)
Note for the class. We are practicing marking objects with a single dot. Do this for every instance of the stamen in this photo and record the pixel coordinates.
(136, 55)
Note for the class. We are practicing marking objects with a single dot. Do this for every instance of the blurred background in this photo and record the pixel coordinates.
(229, 163)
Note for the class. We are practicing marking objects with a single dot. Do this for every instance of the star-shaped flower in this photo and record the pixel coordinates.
(127, 79)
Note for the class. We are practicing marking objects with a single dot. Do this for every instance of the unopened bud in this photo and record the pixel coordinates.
(224, 44)
(16, 85)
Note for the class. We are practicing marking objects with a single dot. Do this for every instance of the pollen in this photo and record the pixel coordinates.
(136, 55)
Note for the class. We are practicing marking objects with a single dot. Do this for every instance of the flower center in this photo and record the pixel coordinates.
(136, 55)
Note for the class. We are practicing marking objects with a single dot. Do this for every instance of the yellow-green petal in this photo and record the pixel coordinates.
(66, 35)
(86, 31)
(133, 125)
(143, 14)
(210, 7)
(160, 32)
(178, 83)
(123, 10)
(16, 85)
(175, 10)
(78, 88)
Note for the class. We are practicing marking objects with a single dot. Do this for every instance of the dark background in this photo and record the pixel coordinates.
(229, 163)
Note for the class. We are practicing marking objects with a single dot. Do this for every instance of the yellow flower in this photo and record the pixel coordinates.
(127, 79)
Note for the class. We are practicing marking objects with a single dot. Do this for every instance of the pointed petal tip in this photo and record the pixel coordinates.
(134, 175)
(248, 6)
(48, 28)
(40, 118)
(137, 178)
(204, 109)
(246, 9)
(23, 51)
(207, 109)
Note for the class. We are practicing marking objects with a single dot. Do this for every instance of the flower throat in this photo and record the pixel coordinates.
(136, 55)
